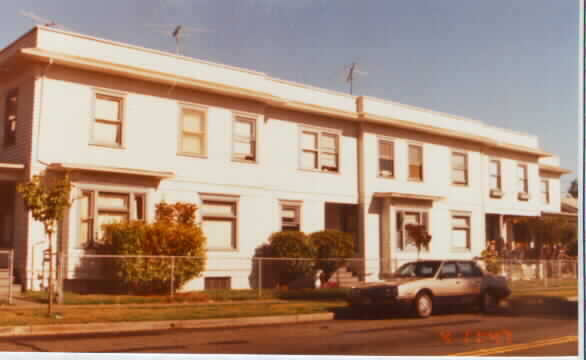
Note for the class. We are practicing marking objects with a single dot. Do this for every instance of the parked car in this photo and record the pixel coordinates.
(423, 284)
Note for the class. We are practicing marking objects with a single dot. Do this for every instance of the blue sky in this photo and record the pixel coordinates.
(509, 63)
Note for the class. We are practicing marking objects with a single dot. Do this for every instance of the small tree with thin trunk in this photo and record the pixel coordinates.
(47, 197)
(420, 236)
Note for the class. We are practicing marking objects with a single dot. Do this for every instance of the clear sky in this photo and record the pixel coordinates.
(509, 63)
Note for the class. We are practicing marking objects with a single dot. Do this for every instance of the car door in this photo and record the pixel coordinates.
(445, 289)
(470, 281)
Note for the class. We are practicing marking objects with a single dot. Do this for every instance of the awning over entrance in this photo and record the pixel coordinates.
(11, 172)
(112, 170)
(395, 195)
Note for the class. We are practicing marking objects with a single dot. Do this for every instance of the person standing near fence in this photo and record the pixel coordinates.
(519, 256)
(489, 255)
(545, 255)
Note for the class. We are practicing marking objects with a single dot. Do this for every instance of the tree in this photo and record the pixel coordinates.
(573, 190)
(330, 244)
(419, 235)
(47, 197)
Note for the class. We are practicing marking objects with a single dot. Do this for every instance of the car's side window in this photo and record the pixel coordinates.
(468, 269)
(449, 270)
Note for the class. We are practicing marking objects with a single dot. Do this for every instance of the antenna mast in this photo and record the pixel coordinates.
(351, 72)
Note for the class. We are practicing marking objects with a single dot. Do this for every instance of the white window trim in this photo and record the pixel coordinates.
(458, 213)
(319, 130)
(467, 167)
(526, 166)
(500, 173)
(547, 191)
(225, 198)
(9, 93)
(294, 204)
(196, 107)
(394, 159)
(123, 113)
(400, 243)
(255, 119)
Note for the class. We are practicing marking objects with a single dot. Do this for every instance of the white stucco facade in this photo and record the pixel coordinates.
(59, 76)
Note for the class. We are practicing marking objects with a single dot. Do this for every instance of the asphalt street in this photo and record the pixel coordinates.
(446, 333)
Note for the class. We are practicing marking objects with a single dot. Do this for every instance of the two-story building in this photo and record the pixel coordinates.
(136, 126)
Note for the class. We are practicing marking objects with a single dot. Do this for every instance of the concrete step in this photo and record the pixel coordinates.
(16, 291)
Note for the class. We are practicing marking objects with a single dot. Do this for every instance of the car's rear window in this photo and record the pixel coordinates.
(418, 269)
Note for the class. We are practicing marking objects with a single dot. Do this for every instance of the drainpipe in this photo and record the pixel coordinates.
(362, 211)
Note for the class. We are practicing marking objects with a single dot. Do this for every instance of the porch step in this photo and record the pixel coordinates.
(6, 283)
(345, 278)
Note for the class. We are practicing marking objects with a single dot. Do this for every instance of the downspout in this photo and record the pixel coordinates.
(361, 188)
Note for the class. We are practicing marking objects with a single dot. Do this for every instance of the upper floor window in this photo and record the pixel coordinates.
(193, 131)
(107, 129)
(386, 158)
(220, 222)
(495, 174)
(544, 191)
(415, 162)
(98, 208)
(244, 138)
(523, 185)
(290, 216)
(319, 150)
(10, 118)
(459, 168)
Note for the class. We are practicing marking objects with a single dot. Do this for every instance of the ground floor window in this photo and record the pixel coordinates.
(461, 231)
(98, 208)
(404, 218)
(290, 216)
(220, 215)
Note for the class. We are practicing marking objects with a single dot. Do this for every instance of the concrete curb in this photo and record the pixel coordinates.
(62, 329)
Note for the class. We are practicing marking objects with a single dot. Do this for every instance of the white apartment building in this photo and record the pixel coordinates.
(136, 126)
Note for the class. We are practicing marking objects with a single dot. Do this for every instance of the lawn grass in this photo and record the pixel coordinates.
(10, 316)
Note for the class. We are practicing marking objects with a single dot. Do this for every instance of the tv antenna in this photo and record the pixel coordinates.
(351, 72)
(41, 21)
(177, 32)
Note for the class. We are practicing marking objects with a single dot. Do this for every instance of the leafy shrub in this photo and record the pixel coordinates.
(174, 233)
(291, 244)
(331, 244)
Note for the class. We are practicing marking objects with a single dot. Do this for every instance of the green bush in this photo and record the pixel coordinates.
(291, 244)
(331, 244)
(174, 233)
(313, 294)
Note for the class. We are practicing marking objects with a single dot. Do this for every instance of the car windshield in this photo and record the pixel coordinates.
(420, 269)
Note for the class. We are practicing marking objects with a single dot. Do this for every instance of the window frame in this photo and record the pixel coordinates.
(467, 228)
(318, 150)
(253, 139)
(380, 141)
(181, 132)
(9, 135)
(545, 193)
(423, 216)
(121, 122)
(525, 179)
(465, 169)
(95, 210)
(291, 204)
(409, 164)
(498, 176)
(234, 201)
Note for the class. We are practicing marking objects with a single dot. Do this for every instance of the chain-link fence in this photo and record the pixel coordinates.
(6, 275)
(169, 274)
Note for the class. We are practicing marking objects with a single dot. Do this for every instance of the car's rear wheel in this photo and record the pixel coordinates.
(423, 305)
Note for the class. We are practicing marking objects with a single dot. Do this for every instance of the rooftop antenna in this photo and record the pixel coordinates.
(177, 32)
(351, 71)
(41, 21)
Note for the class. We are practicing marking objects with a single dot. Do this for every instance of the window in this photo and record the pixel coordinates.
(404, 218)
(386, 158)
(193, 132)
(544, 191)
(461, 232)
(107, 128)
(523, 186)
(244, 137)
(290, 216)
(416, 162)
(98, 208)
(495, 174)
(11, 111)
(219, 223)
(449, 270)
(469, 269)
(459, 168)
(319, 150)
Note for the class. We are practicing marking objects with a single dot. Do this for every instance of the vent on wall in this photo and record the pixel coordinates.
(213, 283)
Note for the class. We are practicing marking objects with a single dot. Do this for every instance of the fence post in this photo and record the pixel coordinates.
(10, 275)
(172, 277)
(259, 277)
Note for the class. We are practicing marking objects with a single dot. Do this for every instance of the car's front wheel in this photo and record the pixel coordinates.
(423, 305)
